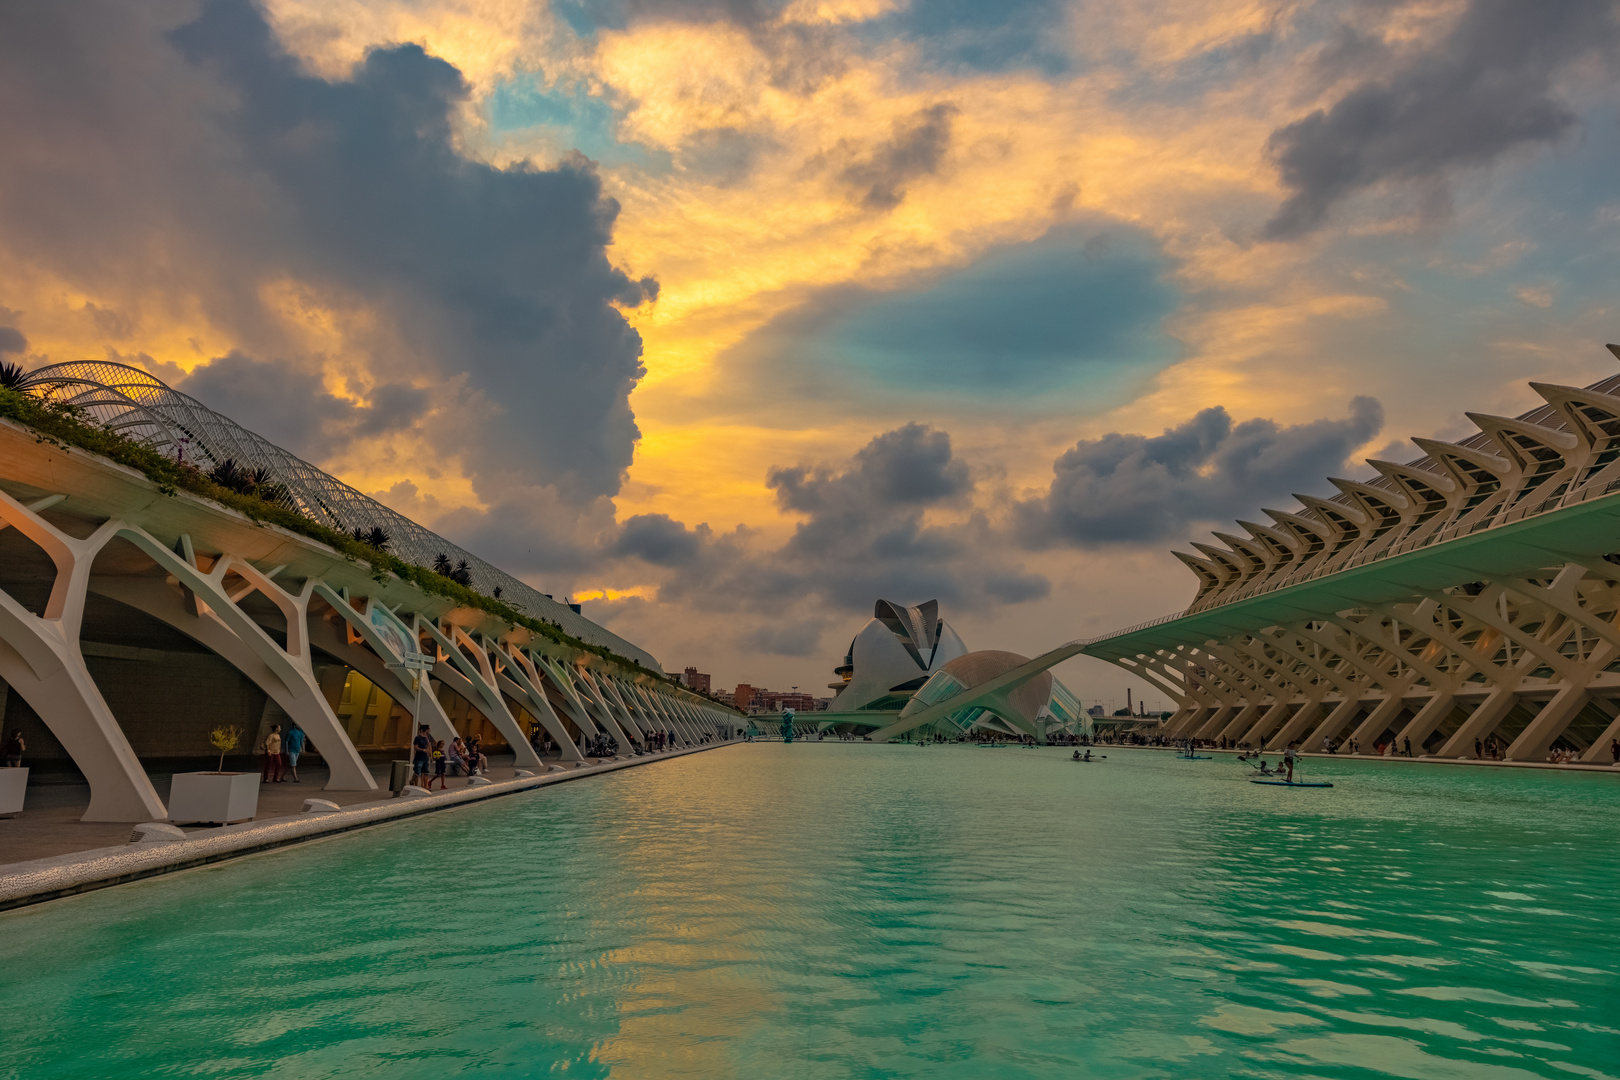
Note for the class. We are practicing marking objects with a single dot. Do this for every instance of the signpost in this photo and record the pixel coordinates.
(416, 663)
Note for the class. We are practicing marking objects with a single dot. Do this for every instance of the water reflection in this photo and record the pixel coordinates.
(828, 910)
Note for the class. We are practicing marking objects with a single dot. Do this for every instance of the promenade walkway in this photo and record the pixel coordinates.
(49, 824)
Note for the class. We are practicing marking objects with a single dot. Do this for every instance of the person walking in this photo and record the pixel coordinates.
(421, 756)
(291, 747)
(1614, 751)
(272, 756)
(16, 747)
(439, 763)
(1408, 746)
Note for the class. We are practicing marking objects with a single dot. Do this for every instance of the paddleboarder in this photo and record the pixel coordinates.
(1288, 761)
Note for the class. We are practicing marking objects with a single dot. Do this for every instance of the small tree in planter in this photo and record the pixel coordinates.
(225, 739)
(218, 796)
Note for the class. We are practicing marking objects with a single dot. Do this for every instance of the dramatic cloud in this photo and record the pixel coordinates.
(289, 207)
(660, 540)
(1133, 488)
(292, 407)
(1485, 88)
(12, 340)
(864, 535)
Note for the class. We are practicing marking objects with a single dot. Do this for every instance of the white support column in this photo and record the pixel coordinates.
(1423, 723)
(591, 693)
(553, 673)
(1554, 717)
(672, 722)
(479, 671)
(41, 661)
(1481, 722)
(293, 666)
(565, 674)
(526, 679)
(609, 693)
(422, 705)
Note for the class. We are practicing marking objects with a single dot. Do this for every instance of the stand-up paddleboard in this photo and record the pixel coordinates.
(1292, 783)
(1193, 757)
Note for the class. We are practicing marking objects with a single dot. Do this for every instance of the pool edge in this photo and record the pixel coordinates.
(40, 881)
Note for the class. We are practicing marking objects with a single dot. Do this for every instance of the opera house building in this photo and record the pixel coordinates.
(907, 657)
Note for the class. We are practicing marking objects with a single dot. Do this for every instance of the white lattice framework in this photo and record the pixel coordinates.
(135, 404)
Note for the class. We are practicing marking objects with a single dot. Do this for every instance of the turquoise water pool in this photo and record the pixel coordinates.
(835, 910)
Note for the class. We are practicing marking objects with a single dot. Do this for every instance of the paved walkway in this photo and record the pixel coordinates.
(39, 880)
(49, 824)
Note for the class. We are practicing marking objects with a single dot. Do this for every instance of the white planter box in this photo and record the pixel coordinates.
(13, 786)
(214, 796)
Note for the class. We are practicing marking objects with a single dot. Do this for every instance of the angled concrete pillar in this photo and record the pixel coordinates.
(1334, 722)
(554, 675)
(1480, 723)
(40, 660)
(531, 691)
(1548, 724)
(1426, 719)
(292, 665)
(472, 662)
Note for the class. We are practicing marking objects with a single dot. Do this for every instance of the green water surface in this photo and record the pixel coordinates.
(836, 910)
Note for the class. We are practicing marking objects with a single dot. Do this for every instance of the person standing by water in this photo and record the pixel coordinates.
(421, 754)
(292, 746)
(1288, 760)
(272, 756)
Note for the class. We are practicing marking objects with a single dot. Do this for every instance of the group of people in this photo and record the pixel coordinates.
(434, 760)
(279, 755)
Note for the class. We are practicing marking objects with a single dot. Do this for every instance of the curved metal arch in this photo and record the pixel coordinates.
(141, 407)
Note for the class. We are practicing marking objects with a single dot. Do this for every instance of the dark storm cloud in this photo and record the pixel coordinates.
(1486, 88)
(660, 540)
(11, 340)
(910, 466)
(915, 148)
(1134, 488)
(292, 407)
(208, 160)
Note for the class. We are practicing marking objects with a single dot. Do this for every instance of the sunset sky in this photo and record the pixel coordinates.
(731, 316)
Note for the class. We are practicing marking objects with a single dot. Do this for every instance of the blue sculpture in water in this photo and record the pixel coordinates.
(787, 725)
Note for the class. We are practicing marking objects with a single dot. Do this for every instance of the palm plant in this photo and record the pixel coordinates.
(375, 536)
(441, 565)
(462, 574)
(12, 376)
(227, 475)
